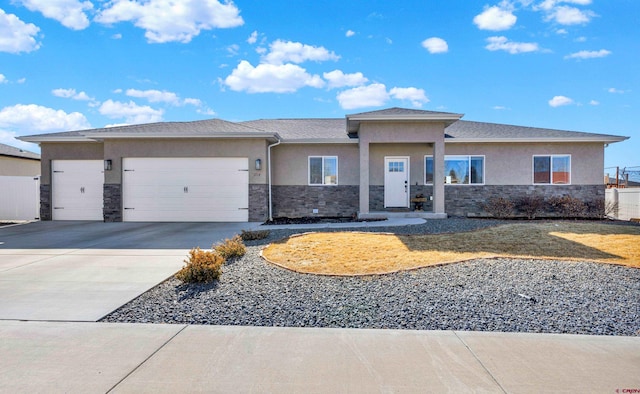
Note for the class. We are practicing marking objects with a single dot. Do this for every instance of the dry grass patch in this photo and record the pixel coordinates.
(352, 253)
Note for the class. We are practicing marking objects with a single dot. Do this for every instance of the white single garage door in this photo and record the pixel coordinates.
(77, 189)
(185, 189)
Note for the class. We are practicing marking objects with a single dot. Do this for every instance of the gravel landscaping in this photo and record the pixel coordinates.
(485, 294)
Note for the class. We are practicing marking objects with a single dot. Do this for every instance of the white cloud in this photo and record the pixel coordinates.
(558, 101)
(155, 96)
(192, 101)
(581, 39)
(116, 36)
(588, 54)
(131, 112)
(501, 43)
(3, 79)
(271, 78)
(17, 36)
(496, 18)
(72, 94)
(565, 15)
(435, 45)
(71, 13)
(23, 119)
(253, 37)
(594, 102)
(22, 80)
(500, 108)
(614, 90)
(338, 79)
(287, 51)
(562, 31)
(373, 95)
(168, 21)
(350, 33)
(416, 96)
(548, 5)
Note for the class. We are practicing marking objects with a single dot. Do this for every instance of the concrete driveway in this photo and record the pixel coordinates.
(82, 271)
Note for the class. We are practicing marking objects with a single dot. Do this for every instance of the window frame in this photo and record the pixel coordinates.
(468, 157)
(551, 159)
(323, 169)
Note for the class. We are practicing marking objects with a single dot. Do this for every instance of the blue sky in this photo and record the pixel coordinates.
(564, 64)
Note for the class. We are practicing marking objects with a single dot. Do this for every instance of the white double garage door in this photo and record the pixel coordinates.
(156, 189)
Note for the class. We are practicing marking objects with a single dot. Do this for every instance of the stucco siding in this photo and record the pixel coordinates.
(291, 162)
(415, 151)
(116, 150)
(15, 166)
(512, 164)
(67, 151)
(391, 132)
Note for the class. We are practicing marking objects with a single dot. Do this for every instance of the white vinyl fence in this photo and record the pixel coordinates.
(626, 203)
(19, 197)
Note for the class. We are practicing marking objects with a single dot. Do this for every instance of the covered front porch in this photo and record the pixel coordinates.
(393, 146)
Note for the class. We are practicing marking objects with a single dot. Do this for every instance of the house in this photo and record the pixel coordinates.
(370, 164)
(18, 162)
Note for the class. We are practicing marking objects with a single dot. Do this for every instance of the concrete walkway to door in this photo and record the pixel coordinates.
(82, 271)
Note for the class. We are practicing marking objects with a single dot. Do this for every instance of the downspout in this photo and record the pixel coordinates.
(269, 174)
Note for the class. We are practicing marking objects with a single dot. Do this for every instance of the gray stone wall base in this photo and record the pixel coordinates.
(45, 202)
(300, 201)
(376, 197)
(468, 200)
(112, 202)
(258, 203)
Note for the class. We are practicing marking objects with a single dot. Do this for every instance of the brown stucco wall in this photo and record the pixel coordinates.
(16, 166)
(67, 151)
(512, 164)
(291, 162)
(254, 149)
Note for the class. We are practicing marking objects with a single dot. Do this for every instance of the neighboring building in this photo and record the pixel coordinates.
(18, 162)
(369, 164)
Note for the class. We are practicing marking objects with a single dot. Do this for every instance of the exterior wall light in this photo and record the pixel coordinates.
(258, 164)
(107, 165)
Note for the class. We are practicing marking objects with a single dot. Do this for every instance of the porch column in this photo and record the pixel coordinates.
(438, 177)
(364, 177)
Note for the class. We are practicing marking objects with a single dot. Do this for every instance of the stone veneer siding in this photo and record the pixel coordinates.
(112, 202)
(376, 197)
(462, 200)
(45, 202)
(300, 201)
(258, 203)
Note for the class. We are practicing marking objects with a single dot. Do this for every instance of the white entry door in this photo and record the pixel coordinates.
(396, 182)
(185, 189)
(77, 189)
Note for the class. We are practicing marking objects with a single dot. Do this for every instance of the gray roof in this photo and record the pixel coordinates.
(326, 130)
(7, 150)
(208, 127)
(467, 130)
(402, 111)
(303, 129)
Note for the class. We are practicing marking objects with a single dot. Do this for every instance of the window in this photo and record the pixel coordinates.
(552, 169)
(458, 170)
(323, 170)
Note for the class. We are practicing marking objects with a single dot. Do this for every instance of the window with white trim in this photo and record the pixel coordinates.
(552, 169)
(458, 170)
(323, 170)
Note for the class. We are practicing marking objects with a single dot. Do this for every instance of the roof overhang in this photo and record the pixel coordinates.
(101, 136)
(322, 141)
(353, 121)
(604, 140)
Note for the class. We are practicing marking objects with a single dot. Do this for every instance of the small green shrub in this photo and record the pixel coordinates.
(254, 235)
(201, 267)
(530, 205)
(499, 207)
(231, 248)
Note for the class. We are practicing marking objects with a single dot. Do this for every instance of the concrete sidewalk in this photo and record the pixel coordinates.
(393, 222)
(135, 358)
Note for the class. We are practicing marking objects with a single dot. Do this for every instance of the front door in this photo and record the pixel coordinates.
(396, 182)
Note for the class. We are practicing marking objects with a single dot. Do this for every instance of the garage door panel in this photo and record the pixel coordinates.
(186, 189)
(77, 189)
